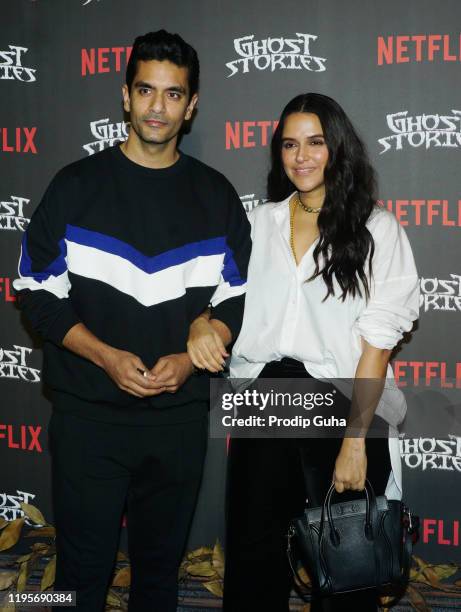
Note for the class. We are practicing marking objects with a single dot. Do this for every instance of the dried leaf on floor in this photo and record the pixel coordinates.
(432, 574)
(113, 600)
(443, 571)
(7, 579)
(10, 534)
(24, 574)
(122, 578)
(417, 600)
(218, 559)
(203, 569)
(200, 552)
(33, 514)
(385, 600)
(304, 576)
(215, 587)
(48, 574)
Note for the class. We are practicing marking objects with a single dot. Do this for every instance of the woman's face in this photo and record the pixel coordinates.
(304, 153)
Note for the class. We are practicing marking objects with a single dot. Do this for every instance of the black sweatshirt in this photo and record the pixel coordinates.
(135, 254)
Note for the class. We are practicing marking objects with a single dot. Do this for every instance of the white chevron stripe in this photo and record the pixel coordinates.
(148, 289)
(224, 291)
(57, 285)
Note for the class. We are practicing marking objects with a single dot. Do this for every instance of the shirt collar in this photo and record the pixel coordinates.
(281, 211)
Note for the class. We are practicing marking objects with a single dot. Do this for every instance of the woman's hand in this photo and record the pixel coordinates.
(351, 466)
(205, 347)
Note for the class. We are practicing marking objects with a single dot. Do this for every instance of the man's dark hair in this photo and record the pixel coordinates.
(160, 46)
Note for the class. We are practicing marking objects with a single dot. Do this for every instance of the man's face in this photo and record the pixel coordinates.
(158, 103)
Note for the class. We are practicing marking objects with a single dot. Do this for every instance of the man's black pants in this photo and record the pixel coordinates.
(100, 470)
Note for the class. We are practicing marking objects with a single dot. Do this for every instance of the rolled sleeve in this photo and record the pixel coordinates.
(394, 289)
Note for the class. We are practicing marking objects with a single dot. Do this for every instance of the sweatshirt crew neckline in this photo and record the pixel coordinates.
(132, 166)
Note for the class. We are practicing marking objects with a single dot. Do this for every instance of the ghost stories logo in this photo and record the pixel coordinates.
(422, 131)
(11, 65)
(275, 53)
(250, 201)
(12, 214)
(106, 134)
(431, 453)
(441, 294)
(10, 505)
(14, 364)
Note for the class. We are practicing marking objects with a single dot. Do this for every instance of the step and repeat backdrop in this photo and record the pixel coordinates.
(394, 67)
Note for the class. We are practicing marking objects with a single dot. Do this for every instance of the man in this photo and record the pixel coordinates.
(126, 249)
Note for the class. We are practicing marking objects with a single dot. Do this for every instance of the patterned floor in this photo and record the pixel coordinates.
(195, 598)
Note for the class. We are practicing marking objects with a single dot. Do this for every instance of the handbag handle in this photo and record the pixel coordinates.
(370, 514)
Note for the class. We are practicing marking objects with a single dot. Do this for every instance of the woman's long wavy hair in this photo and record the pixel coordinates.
(350, 186)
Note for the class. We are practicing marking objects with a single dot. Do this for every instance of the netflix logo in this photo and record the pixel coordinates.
(425, 212)
(418, 48)
(6, 290)
(249, 134)
(427, 374)
(104, 59)
(21, 437)
(18, 140)
(441, 531)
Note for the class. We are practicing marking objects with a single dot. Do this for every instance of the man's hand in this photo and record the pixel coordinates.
(171, 372)
(205, 346)
(351, 466)
(121, 366)
(124, 369)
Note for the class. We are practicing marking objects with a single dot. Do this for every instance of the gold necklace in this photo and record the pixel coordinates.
(308, 209)
(292, 207)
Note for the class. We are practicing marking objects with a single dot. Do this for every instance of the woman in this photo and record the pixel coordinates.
(332, 286)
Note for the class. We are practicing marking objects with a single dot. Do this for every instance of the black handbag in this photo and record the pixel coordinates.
(353, 545)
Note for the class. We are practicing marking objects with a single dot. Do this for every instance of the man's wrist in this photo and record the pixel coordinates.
(188, 362)
(102, 354)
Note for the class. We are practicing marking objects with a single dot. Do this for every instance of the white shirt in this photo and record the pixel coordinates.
(285, 316)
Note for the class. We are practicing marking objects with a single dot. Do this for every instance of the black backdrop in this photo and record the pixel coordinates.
(394, 67)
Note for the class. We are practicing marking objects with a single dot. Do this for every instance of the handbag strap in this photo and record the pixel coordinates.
(292, 562)
(371, 514)
(407, 550)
